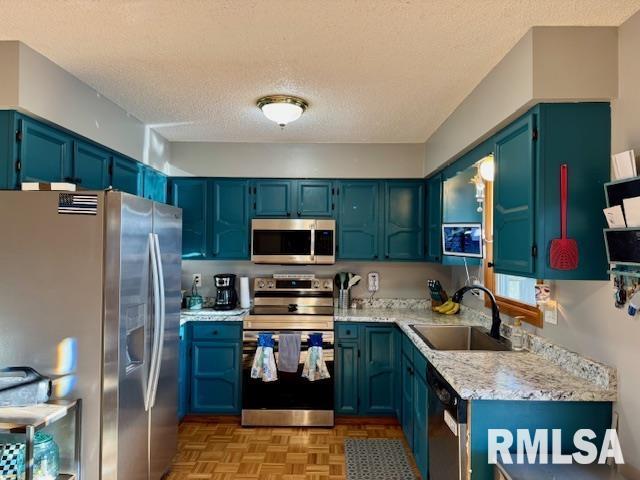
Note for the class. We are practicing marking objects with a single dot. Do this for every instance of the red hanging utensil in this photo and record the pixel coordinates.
(564, 251)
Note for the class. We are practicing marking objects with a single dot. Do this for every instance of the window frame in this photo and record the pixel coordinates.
(531, 314)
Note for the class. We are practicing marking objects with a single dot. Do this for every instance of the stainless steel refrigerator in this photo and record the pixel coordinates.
(90, 295)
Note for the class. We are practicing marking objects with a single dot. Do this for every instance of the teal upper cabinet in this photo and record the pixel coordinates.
(434, 219)
(358, 219)
(154, 185)
(45, 154)
(314, 198)
(293, 198)
(191, 194)
(404, 220)
(126, 175)
(230, 218)
(514, 198)
(273, 198)
(528, 155)
(90, 166)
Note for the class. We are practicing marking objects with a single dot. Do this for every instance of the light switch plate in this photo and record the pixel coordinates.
(197, 279)
(550, 312)
(373, 282)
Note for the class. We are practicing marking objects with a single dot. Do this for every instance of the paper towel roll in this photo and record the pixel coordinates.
(245, 296)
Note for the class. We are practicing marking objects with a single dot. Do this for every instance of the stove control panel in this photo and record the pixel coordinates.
(289, 284)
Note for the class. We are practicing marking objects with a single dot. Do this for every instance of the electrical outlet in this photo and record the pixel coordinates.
(373, 284)
(197, 279)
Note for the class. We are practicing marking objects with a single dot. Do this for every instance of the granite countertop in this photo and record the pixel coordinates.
(211, 315)
(543, 372)
(547, 372)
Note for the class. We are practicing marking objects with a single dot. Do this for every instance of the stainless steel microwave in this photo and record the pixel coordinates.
(293, 241)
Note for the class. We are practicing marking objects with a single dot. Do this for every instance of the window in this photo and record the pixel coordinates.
(521, 289)
(515, 295)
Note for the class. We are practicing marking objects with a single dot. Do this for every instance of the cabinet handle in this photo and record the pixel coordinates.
(288, 214)
(299, 213)
(375, 256)
(348, 332)
(215, 332)
(386, 256)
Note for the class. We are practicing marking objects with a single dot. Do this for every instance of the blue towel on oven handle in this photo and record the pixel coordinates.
(264, 362)
(315, 367)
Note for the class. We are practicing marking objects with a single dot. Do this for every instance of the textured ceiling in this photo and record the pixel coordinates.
(372, 71)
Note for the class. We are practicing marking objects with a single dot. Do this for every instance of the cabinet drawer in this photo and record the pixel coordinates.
(216, 331)
(347, 331)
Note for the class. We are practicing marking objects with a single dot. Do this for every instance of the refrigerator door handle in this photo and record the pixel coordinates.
(156, 330)
(161, 327)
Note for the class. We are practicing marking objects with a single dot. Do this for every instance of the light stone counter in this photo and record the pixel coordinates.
(544, 372)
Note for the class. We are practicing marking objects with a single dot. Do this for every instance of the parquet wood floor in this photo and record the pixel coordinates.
(218, 448)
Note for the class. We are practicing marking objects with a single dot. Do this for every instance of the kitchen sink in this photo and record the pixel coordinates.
(460, 337)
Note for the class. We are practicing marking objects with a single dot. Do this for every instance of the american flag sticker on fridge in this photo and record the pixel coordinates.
(77, 204)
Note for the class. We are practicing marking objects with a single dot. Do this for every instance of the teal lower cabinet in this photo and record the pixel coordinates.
(214, 363)
(531, 415)
(183, 369)
(413, 418)
(366, 369)
(346, 377)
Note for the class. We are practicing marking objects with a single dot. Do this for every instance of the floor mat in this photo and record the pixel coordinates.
(376, 459)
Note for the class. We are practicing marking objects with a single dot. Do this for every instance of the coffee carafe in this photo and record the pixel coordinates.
(226, 296)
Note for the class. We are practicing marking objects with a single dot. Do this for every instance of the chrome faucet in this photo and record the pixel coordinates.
(495, 311)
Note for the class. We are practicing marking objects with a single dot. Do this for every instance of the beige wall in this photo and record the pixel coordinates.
(587, 321)
(397, 280)
(547, 64)
(8, 74)
(37, 86)
(301, 160)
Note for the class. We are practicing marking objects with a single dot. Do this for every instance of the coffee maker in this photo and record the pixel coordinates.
(226, 296)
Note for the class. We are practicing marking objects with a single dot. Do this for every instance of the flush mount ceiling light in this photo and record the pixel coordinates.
(282, 109)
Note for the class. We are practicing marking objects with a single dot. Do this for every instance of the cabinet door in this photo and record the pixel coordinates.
(230, 219)
(215, 377)
(346, 372)
(45, 153)
(154, 185)
(406, 420)
(379, 368)
(126, 175)
(513, 227)
(183, 372)
(90, 166)
(190, 194)
(434, 219)
(273, 198)
(358, 220)
(420, 433)
(404, 220)
(314, 198)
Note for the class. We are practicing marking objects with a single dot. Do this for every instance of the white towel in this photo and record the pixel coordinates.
(314, 367)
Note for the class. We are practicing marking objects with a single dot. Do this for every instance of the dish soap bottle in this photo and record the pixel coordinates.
(517, 335)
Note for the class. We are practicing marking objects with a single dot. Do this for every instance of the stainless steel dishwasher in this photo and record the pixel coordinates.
(447, 427)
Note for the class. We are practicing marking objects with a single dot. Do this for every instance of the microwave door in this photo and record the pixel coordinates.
(282, 246)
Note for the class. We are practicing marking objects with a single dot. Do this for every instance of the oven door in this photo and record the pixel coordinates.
(291, 399)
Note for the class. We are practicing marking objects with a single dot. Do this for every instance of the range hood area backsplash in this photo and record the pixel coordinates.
(397, 279)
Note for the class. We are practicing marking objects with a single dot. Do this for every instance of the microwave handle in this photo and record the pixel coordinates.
(313, 242)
